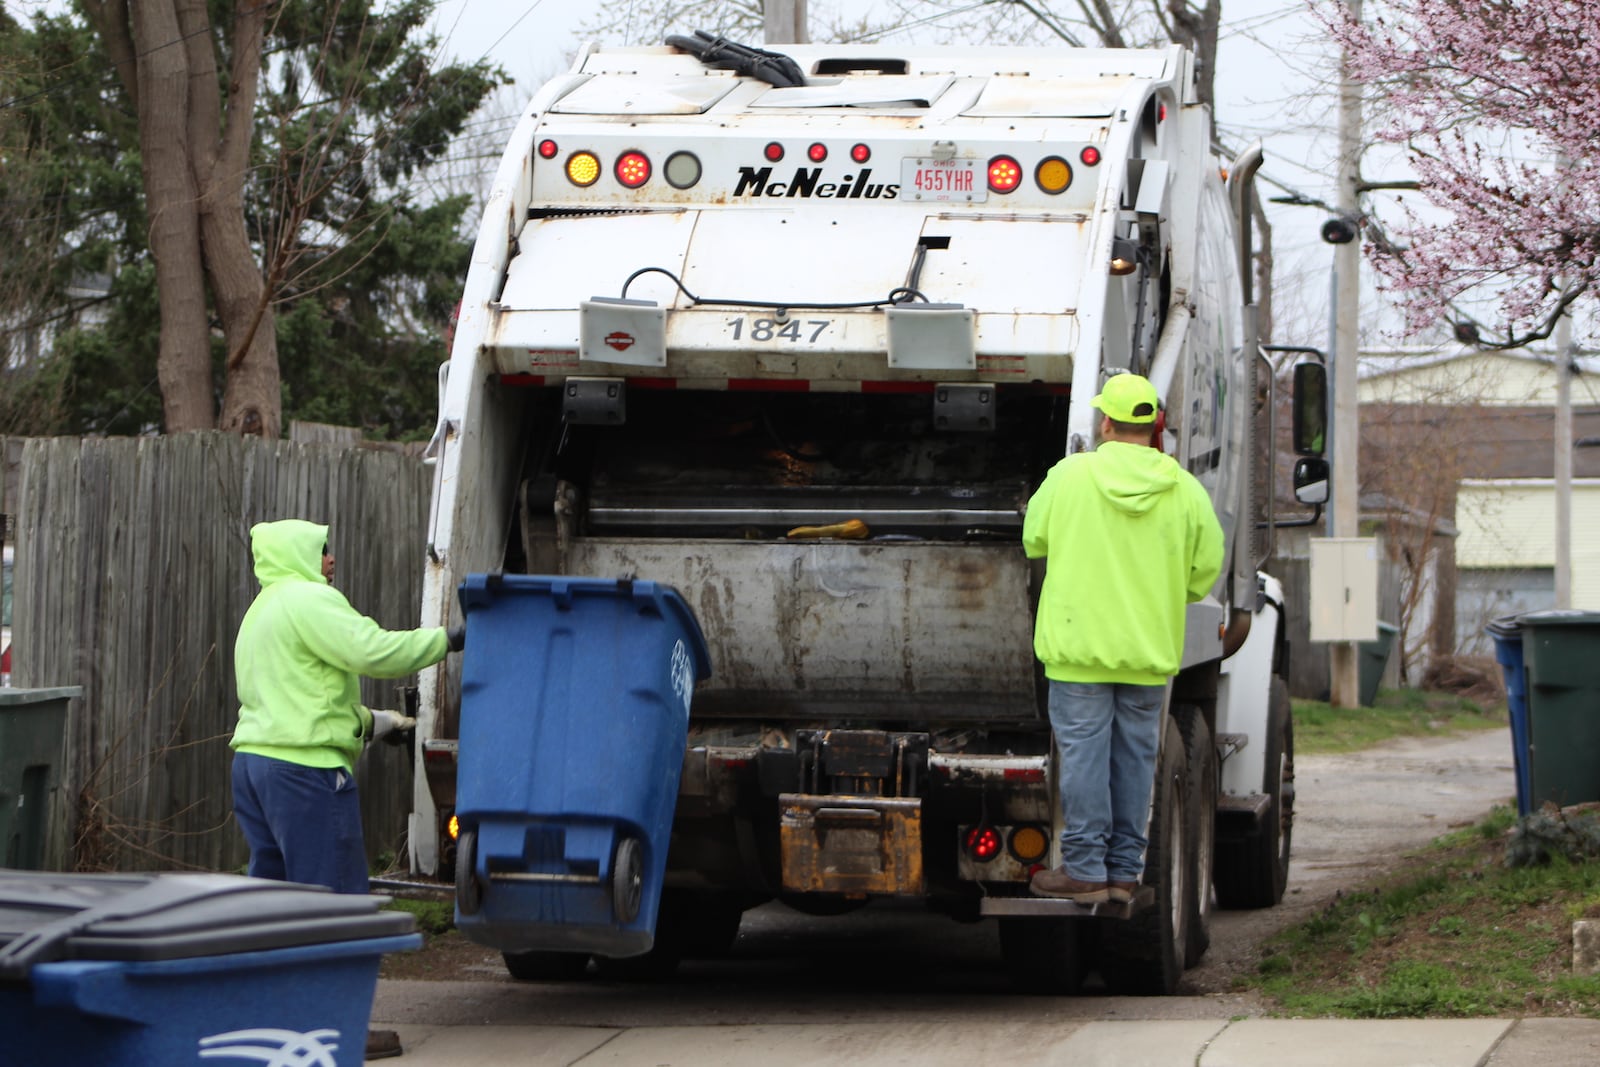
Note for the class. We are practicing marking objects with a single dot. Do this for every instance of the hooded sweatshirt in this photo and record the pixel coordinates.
(301, 651)
(1129, 538)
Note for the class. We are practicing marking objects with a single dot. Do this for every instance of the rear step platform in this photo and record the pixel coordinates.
(1068, 909)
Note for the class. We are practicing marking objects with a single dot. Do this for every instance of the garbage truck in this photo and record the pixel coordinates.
(797, 334)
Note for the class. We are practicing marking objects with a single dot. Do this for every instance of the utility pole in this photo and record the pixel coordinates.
(1563, 443)
(1343, 665)
(1563, 468)
(784, 22)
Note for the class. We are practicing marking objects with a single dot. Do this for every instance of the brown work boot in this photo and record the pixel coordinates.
(1122, 892)
(383, 1045)
(1063, 885)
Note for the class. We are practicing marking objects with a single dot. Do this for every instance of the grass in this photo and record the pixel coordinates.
(1322, 729)
(433, 916)
(1455, 933)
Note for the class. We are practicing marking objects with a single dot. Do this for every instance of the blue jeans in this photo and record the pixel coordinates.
(303, 824)
(1107, 734)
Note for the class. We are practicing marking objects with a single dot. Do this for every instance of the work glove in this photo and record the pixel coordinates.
(457, 637)
(390, 726)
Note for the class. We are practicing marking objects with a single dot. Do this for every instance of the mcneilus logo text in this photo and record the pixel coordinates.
(807, 182)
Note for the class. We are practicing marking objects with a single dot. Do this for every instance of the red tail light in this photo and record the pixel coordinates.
(984, 843)
(633, 169)
(1004, 174)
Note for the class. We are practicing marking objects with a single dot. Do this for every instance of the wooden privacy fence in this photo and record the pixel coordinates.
(132, 571)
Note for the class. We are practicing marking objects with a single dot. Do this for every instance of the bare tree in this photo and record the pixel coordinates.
(195, 145)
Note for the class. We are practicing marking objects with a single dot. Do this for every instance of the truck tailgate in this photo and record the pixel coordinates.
(828, 630)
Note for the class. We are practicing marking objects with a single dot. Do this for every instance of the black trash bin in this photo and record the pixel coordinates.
(33, 723)
(174, 969)
(1561, 651)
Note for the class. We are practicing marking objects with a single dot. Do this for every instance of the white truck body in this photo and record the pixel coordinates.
(839, 318)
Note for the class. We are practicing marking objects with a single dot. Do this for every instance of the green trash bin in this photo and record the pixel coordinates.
(32, 725)
(1374, 660)
(1561, 653)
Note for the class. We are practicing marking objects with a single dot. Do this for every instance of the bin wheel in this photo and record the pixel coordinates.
(627, 879)
(469, 891)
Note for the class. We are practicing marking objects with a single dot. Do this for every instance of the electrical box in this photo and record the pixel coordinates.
(1344, 589)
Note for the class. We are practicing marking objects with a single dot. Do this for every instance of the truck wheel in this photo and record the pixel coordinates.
(627, 879)
(704, 925)
(1043, 955)
(1254, 871)
(1201, 759)
(545, 966)
(653, 966)
(1144, 955)
(469, 891)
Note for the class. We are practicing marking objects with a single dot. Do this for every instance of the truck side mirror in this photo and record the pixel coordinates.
(1310, 411)
(1311, 480)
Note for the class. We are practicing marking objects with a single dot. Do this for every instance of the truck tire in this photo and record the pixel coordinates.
(689, 925)
(1144, 955)
(1201, 757)
(545, 966)
(1252, 872)
(1043, 955)
(653, 966)
(704, 925)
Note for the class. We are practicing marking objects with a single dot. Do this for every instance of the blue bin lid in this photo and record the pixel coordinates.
(46, 917)
(657, 598)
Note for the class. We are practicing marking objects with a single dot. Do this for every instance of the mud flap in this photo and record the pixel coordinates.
(853, 845)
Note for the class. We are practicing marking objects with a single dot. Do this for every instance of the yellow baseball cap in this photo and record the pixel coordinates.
(1128, 398)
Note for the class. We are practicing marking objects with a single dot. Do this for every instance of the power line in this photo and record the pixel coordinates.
(873, 36)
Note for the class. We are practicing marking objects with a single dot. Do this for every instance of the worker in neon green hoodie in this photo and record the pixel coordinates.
(298, 659)
(1129, 538)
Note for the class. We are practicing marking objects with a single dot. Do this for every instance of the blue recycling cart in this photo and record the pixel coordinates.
(212, 970)
(575, 696)
(1507, 634)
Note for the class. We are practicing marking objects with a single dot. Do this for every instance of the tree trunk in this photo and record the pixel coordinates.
(183, 366)
(1196, 29)
(252, 400)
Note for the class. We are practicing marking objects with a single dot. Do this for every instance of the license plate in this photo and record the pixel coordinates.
(959, 181)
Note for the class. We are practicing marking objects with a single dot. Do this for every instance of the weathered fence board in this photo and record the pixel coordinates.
(132, 573)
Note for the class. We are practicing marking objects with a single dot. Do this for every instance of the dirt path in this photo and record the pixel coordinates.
(1356, 815)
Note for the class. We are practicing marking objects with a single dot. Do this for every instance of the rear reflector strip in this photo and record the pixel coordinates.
(781, 385)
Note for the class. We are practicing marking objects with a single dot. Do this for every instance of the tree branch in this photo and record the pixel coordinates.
(110, 21)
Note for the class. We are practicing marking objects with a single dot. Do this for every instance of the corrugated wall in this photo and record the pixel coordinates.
(132, 572)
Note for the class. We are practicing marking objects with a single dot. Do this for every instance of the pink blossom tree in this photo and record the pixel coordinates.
(1466, 87)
